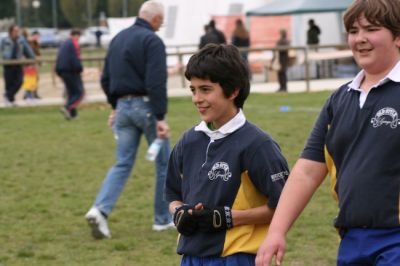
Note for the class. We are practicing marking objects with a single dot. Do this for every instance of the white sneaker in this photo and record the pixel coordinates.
(162, 227)
(7, 103)
(98, 224)
(66, 113)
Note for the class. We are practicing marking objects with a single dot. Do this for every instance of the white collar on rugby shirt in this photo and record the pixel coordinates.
(231, 126)
(393, 75)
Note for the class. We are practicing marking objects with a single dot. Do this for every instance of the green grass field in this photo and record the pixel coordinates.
(51, 169)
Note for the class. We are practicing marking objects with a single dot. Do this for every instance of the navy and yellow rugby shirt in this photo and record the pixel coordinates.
(361, 148)
(242, 170)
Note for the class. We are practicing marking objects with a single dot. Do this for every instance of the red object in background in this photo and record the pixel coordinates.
(264, 31)
(226, 24)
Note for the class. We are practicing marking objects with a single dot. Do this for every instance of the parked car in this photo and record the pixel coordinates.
(63, 35)
(48, 37)
(3, 34)
(88, 36)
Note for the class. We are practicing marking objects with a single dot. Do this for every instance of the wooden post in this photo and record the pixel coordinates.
(181, 68)
(53, 73)
(306, 69)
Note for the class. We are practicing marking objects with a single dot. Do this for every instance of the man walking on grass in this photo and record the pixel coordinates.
(134, 80)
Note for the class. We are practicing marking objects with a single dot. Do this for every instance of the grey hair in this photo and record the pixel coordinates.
(150, 9)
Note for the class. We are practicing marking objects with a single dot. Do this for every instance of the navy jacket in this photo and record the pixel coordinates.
(136, 63)
(67, 59)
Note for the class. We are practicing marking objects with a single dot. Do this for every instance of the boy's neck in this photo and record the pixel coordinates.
(212, 125)
(371, 79)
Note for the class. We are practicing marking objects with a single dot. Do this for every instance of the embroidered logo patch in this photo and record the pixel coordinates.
(386, 116)
(281, 175)
(220, 170)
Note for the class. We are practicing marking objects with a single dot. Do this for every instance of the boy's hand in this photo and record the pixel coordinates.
(213, 219)
(184, 220)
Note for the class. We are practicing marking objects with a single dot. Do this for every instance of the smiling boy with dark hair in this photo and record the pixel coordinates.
(355, 139)
(225, 175)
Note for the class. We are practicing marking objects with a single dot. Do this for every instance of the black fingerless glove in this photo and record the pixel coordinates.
(184, 221)
(213, 219)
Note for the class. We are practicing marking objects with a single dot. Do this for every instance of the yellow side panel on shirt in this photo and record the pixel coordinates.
(399, 208)
(246, 238)
(330, 164)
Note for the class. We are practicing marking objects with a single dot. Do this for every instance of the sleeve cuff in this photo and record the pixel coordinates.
(160, 117)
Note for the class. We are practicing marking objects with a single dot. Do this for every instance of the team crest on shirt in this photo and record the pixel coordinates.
(220, 170)
(386, 116)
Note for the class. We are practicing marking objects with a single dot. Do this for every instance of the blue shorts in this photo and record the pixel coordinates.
(370, 247)
(239, 259)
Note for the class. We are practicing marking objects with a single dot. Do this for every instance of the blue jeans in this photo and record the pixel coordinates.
(133, 119)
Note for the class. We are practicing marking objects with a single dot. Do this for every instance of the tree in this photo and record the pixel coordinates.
(7, 14)
(76, 11)
(115, 7)
(7, 9)
(46, 14)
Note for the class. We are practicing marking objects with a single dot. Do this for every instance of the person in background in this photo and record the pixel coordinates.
(34, 43)
(282, 58)
(241, 38)
(356, 139)
(225, 175)
(208, 37)
(217, 32)
(69, 68)
(313, 33)
(135, 82)
(14, 47)
(31, 74)
(98, 33)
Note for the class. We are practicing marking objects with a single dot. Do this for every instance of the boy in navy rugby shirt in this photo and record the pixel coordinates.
(225, 175)
(357, 140)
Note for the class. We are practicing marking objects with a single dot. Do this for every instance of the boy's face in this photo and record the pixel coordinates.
(211, 102)
(374, 47)
(35, 37)
(76, 37)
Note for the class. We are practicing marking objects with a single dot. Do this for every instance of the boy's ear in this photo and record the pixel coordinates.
(234, 94)
(397, 41)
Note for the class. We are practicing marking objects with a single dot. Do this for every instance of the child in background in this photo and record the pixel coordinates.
(31, 74)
